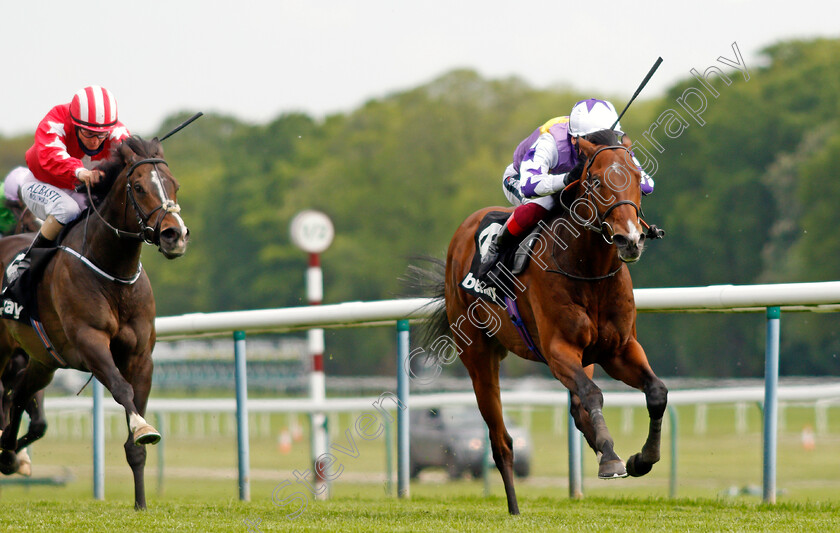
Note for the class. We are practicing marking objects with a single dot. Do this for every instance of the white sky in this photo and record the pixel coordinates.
(257, 59)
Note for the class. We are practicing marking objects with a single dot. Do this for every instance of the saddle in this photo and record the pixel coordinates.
(18, 300)
(500, 281)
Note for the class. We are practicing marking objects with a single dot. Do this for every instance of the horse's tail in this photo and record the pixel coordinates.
(429, 282)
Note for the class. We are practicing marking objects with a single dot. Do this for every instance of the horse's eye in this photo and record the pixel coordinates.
(138, 188)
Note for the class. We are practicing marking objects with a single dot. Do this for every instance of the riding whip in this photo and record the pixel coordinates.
(642, 86)
(189, 121)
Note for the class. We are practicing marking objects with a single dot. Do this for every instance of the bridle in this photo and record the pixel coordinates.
(148, 233)
(601, 225)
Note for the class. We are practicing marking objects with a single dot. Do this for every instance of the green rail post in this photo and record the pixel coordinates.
(672, 483)
(160, 426)
(402, 414)
(771, 402)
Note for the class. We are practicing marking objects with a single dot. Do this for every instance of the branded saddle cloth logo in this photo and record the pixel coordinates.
(11, 309)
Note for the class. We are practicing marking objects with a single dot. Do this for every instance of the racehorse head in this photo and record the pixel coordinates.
(610, 202)
(147, 196)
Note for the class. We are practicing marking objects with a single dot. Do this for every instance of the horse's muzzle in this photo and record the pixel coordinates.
(173, 241)
(629, 249)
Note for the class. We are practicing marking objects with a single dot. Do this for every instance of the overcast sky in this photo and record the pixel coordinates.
(255, 60)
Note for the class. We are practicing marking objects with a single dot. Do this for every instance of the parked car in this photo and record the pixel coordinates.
(454, 438)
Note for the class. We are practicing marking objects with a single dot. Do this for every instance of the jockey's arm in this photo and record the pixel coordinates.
(535, 181)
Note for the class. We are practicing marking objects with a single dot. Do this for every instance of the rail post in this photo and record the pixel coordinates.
(402, 414)
(242, 416)
(672, 482)
(575, 467)
(771, 401)
(98, 440)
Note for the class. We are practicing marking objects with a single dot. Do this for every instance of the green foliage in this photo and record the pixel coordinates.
(746, 197)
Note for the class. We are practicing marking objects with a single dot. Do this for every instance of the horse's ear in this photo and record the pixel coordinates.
(157, 147)
(127, 154)
(586, 148)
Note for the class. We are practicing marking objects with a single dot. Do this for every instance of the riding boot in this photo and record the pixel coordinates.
(38, 242)
(499, 244)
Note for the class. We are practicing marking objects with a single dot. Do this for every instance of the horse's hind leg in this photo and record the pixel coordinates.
(633, 369)
(27, 384)
(37, 429)
(482, 362)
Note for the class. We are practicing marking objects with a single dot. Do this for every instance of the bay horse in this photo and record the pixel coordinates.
(575, 300)
(27, 222)
(95, 301)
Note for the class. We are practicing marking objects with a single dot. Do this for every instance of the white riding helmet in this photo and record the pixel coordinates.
(591, 115)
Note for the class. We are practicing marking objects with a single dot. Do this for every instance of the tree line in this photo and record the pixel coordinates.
(749, 196)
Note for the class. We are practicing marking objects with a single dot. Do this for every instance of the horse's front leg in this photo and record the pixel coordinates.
(586, 407)
(632, 368)
(139, 375)
(95, 348)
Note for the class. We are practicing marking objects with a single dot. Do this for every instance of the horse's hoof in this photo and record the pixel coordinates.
(8, 462)
(638, 467)
(146, 435)
(613, 469)
(24, 463)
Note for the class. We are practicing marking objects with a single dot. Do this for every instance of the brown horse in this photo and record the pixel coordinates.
(95, 301)
(27, 222)
(576, 302)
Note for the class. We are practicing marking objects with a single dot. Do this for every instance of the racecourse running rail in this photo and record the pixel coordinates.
(769, 298)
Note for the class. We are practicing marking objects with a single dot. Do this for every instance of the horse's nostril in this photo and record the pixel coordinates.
(170, 234)
(620, 240)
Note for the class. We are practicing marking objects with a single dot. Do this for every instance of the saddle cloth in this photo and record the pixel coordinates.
(501, 280)
(19, 299)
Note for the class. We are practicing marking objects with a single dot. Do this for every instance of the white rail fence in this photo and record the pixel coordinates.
(772, 299)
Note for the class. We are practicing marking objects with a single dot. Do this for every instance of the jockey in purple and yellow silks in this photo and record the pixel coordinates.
(541, 167)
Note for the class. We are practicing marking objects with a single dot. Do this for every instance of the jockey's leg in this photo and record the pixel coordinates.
(44, 239)
(518, 225)
(55, 206)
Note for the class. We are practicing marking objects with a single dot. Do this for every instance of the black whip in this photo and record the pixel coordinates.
(186, 123)
(641, 86)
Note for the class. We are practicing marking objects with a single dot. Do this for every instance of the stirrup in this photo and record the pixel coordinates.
(19, 264)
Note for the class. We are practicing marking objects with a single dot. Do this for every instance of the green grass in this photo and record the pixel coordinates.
(437, 511)
(199, 490)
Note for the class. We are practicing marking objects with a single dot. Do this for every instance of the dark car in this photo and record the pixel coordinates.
(454, 438)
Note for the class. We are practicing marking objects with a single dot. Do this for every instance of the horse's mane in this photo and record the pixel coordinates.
(115, 164)
(603, 138)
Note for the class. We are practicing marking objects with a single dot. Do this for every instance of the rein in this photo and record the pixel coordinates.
(147, 234)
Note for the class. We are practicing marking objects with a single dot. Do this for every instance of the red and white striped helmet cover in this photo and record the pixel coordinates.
(94, 108)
